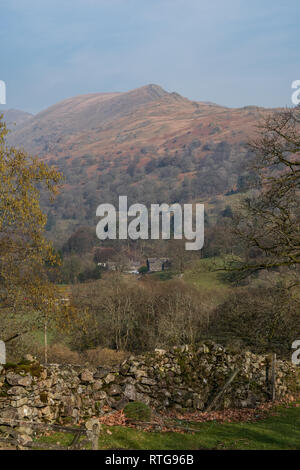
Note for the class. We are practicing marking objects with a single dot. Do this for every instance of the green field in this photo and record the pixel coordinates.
(204, 275)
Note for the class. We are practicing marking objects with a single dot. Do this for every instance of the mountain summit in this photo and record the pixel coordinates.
(109, 118)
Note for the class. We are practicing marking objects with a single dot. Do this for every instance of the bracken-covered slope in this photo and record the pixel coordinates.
(15, 117)
(149, 144)
(109, 123)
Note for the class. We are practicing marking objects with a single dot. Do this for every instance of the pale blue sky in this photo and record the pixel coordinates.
(233, 52)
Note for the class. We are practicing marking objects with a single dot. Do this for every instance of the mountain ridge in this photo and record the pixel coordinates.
(150, 144)
(15, 117)
(80, 123)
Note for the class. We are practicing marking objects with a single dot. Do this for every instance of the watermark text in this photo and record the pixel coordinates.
(2, 92)
(136, 223)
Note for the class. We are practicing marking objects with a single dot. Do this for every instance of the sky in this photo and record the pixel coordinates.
(232, 52)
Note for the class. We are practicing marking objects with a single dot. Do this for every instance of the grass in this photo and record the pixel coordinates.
(280, 431)
(163, 275)
(203, 276)
(58, 438)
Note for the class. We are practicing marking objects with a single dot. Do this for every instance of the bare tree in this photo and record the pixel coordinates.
(267, 225)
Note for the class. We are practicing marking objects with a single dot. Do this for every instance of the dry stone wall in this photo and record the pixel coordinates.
(181, 378)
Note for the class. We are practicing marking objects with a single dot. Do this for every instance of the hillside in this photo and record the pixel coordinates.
(147, 143)
(109, 124)
(118, 120)
(15, 117)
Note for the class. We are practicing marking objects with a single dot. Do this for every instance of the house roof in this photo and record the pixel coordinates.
(154, 260)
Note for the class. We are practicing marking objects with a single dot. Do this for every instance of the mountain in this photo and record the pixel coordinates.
(15, 117)
(108, 124)
(149, 144)
(83, 114)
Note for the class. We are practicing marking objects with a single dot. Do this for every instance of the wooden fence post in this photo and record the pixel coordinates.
(2, 353)
(93, 427)
(46, 341)
(95, 437)
(274, 377)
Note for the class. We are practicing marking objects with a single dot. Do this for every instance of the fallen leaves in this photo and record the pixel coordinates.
(113, 418)
(174, 421)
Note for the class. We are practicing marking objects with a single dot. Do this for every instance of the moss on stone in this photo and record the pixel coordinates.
(137, 411)
(44, 397)
(34, 369)
(4, 389)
